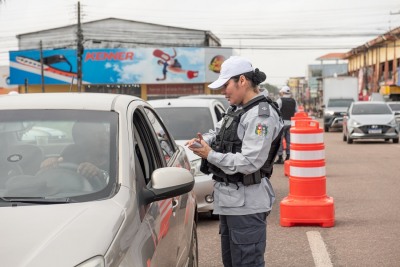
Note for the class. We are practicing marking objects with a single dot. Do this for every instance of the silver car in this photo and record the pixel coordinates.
(185, 118)
(395, 106)
(370, 120)
(219, 97)
(111, 193)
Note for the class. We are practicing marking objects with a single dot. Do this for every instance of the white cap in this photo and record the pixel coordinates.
(285, 89)
(231, 67)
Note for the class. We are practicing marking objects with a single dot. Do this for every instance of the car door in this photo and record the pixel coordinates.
(166, 217)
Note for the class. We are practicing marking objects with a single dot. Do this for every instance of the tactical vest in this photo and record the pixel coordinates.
(288, 108)
(227, 141)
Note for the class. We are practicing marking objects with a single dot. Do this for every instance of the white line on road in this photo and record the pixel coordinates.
(318, 249)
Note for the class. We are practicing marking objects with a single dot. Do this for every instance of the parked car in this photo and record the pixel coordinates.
(185, 118)
(134, 208)
(220, 98)
(370, 120)
(395, 107)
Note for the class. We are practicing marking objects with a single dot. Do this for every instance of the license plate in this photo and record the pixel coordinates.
(374, 131)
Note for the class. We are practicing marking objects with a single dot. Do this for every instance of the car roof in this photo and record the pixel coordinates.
(203, 96)
(369, 103)
(88, 101)
(182, 102)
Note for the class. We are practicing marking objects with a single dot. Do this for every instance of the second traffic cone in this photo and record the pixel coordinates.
(307, 202)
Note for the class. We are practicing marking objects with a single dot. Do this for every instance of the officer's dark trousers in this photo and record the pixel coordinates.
(286, 136)
(243, 239)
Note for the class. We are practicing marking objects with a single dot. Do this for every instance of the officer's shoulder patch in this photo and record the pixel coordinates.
(263, 109)
(261, 129)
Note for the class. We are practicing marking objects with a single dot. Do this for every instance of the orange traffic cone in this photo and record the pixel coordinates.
(307, 202)
(297, 116)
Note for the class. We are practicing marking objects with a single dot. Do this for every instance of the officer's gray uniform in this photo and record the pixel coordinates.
(257, 129)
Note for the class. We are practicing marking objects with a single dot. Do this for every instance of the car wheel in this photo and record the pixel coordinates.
(326, 128)
(395, 140)
(349, 140)
(194, 249)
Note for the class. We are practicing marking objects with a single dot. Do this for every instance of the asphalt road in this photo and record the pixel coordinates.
(364, 180)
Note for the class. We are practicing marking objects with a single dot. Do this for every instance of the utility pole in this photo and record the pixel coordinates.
(41, 65)
(79, 50)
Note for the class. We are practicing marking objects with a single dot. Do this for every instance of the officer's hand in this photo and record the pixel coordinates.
(201, 151)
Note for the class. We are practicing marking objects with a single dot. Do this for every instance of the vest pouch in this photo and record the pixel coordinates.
(204, 166)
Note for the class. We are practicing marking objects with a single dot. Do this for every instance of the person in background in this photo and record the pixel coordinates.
(288, 108)
(240, 154)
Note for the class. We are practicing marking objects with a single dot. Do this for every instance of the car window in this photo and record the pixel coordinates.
(58, 154)
(218, 112)
(395, 106)
(147, 148)
(185, 122)
(365, 109)
(340, 102)
(162, 134)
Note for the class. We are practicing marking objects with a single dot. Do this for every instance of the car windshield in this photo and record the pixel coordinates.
(57, 154)
(345, 103)
(365, 109)
(185, 122)
(395, 106)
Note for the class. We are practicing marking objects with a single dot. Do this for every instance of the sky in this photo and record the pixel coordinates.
(279, 37)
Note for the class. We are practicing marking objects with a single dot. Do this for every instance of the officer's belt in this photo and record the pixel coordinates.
(248, 179)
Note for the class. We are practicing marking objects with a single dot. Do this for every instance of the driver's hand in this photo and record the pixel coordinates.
(51, 162)
(88, 170)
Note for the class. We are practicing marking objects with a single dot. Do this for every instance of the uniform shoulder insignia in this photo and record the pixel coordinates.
(263, 109)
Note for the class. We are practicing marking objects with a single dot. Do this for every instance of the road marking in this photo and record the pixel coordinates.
(318, 249)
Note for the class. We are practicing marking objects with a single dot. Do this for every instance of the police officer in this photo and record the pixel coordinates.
(240, 154)
(288, 107)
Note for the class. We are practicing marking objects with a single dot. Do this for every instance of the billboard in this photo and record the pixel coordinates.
(115, 66)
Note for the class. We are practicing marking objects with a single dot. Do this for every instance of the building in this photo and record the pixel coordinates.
(120, 56)
(315, 74)
(376, 63)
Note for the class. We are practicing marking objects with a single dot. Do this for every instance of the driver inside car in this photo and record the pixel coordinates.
(90, 151)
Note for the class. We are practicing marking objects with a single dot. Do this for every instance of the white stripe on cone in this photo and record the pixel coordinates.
(307, 154)
(307, 172)
(314, 138)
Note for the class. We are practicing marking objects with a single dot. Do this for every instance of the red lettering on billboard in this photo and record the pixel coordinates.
(102, 56)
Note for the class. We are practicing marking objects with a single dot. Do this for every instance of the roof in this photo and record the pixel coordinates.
(84, 101)
(111, 18)
(332, 56)
(391, 35)
(182, 102)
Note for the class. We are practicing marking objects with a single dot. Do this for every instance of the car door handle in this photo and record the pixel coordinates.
(175, 203)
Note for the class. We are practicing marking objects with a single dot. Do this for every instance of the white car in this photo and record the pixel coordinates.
(113, 195)
(185, 118)
(218, 97)
(370, 120)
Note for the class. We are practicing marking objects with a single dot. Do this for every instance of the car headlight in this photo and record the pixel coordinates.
(393, 122)
(329, 112)
(195, 165)
(97, 261)
(354, 123)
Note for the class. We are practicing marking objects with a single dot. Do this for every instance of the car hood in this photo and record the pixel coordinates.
(373, 119)
(190, 154)
(57, 235)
